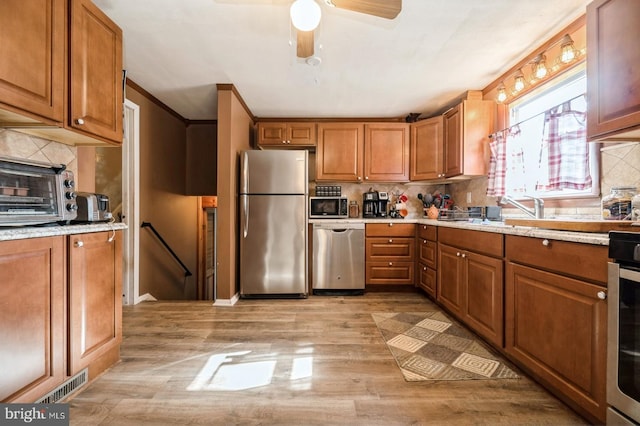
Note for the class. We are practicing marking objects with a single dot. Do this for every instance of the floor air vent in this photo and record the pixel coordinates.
(65, 389)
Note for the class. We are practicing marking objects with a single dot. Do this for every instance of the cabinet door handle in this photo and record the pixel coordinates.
(390, 263)
(424, 241)
(390, 240)
(424, 268)
(359, 178)
(545, 242)
(390, 224)
(458, 254)
(464, 255)
(366, 178)
(602, 295)
(79, 121)
(78, 243)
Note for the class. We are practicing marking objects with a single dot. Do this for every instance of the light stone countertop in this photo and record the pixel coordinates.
(498, 227)
(25, 232)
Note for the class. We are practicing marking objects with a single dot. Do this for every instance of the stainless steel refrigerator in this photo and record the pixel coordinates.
(273, 223)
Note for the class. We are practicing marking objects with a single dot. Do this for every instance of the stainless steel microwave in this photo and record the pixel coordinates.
(328, 208)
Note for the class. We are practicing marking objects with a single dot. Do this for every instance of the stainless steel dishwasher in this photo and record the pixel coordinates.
(338, 258)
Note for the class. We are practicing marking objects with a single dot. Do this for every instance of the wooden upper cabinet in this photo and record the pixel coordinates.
(386, 152)
(467, 127)
(340, 152)
(33, 67)
(96, 92)
(283, 134)
(613, 75)
(427, 150)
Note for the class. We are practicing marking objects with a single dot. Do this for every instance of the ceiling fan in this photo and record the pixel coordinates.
(305, 17)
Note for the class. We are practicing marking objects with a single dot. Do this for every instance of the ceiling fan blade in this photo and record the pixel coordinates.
(304, 44)
(388, 9)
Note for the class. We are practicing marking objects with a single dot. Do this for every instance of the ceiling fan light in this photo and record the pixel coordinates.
(305, 14)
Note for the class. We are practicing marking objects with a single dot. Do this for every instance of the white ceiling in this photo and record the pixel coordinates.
(178, 50)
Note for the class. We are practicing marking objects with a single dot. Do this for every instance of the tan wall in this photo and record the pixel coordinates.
(163, 204)
(234, 130)
(202, 159)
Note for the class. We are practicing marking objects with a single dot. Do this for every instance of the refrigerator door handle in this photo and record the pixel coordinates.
(244, 178)
(245, 215)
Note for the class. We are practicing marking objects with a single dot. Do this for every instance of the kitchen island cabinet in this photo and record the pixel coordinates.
(471, 279)
(389, 253)
(95, 300)
(67, 92)
(556, 315)
(427, 258)
(287, 134)
(613, 76)
(359, 152)
(32, 318)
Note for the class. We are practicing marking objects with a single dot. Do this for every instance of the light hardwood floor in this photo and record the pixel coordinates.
(319, 361)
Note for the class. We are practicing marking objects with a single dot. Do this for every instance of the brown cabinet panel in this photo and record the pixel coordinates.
(471, 286)
(428, 252)
(95, 296)
(427, 280)
(484, 310)
(390, 229)
(453, 142)
(287, 134)
(489, 243)
(428, 232)
(427, 149)
(33, 47)
(96, 92)
(467, 127)
(392, 248)
(386, 150)
(556, 327)
(340, 152)
(613, 76)
(32, 322)
(450, 279)
(586, 261)
(389, 273)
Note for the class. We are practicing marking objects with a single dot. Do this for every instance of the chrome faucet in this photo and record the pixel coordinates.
(538, 206)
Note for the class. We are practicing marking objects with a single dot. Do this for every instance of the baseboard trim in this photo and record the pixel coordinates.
(147, 297)
(227, 302)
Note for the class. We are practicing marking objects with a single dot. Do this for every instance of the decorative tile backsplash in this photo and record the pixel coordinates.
(620, 166)
(20, 145)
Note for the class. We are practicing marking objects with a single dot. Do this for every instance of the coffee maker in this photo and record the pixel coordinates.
(374, 204)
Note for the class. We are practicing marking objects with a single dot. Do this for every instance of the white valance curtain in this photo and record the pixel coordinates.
(563, 154)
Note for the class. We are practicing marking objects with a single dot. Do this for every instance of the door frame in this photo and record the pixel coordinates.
(131, 204)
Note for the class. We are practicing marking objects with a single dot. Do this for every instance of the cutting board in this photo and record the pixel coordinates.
(577, 225)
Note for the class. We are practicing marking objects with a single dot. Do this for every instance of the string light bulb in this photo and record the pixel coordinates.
(305, 14)
(540, 67)
(502, 93)
(518, 83)
(568, 51)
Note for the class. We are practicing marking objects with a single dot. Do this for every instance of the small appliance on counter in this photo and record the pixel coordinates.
(35, 193)
(92, 208)
(328, 207)
(374, 204)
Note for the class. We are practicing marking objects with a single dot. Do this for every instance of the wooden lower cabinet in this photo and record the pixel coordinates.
(95, 299)
(427, 252)
(389, 253)
(32, 319)
(556, 329)
(471, 284)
